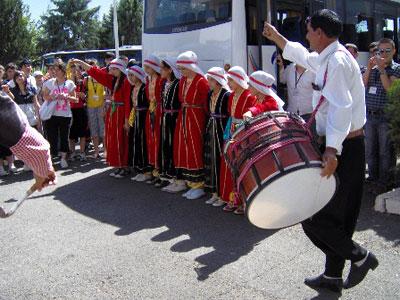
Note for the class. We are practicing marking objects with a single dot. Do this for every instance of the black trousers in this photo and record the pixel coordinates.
(57, 131)
(332, 228)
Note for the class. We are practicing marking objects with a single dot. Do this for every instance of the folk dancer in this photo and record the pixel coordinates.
(154, 84)
(170, 110)
(191, 124)
(117, 127)
(240, 101)
(218, 98)
(137, 121)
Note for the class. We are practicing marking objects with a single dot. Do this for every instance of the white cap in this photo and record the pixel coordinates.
(138, 72)
(238, 75)
(263, 82)
(153, 62)
(37, 73)
(189, 61)
(119, 64)
(219, 75)
(170, 61)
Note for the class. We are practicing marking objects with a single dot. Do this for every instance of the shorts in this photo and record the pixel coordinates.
(79, 127)
(4, 152)
(96, 121)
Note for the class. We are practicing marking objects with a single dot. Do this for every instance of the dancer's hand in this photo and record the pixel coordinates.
(330, 162)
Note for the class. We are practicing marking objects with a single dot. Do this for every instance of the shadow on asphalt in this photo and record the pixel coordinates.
(137, 206)
(132, 207)
(385, 225)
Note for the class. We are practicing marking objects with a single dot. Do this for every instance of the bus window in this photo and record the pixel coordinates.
(168, 16)
(290, 20)
(358, 26)
(388, 28)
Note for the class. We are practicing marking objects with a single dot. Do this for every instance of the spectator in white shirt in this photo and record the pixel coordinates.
(340, 96)
(299, 82)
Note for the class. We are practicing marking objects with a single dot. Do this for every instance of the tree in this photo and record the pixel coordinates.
(17, 32)
(129, 23)
(70, 25)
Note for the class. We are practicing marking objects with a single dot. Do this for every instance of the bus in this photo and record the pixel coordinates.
(229, 31)
(134, 52)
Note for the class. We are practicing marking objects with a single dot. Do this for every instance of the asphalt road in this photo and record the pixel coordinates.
(95, 237)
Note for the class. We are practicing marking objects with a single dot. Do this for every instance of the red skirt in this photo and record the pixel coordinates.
(116, 138)
(153, 132)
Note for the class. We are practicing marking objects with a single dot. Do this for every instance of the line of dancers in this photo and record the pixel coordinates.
(168, 121)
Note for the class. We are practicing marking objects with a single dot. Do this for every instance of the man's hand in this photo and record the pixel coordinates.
(380, 62)
(248, 116)
(371, 63)
(329, 162)
(42, 182)
(271, 33)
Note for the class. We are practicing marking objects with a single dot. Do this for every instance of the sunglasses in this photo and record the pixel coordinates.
(381, 51)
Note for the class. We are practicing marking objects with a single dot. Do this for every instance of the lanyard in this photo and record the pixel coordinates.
(297, 80)
(95, 86)
(58, 87)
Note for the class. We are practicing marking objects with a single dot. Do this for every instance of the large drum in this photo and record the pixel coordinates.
(277, 169)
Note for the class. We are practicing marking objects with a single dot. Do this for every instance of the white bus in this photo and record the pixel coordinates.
(229, 31)
(134, 51)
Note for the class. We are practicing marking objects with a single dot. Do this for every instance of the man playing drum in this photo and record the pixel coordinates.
(340, 101)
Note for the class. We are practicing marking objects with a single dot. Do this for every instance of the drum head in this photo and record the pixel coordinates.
(291, 199)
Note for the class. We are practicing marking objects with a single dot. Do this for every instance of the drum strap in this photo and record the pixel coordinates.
(322, 99)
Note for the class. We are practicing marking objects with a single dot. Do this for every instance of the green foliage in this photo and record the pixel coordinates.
(17, 32)
(70, 25)
(393, 111)
(129, 23)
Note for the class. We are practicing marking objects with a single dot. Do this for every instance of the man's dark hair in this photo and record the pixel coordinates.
(11, 66)
(373, 45)
(387, 41)
(328, 21)
(109, 55)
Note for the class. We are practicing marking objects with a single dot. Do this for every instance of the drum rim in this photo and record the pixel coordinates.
(279, 175)
(269, 113)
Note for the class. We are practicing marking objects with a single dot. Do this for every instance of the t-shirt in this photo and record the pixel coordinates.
(63, 107)
(96, 93)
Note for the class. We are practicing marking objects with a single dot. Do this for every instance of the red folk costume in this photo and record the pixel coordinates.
(153, 119)
(267, 104)
(116, 138)
(237, 106)
(190, 128)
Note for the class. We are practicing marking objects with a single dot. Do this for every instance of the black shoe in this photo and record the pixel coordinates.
(357, 274)
(320, 282)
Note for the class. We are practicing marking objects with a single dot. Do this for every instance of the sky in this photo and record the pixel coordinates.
(38, 8)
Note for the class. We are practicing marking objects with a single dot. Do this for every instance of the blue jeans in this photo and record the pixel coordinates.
(380, 152)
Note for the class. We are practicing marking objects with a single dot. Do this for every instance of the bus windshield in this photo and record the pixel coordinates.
(169, 16)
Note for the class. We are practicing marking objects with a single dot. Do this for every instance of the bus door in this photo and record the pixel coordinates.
(254, 26)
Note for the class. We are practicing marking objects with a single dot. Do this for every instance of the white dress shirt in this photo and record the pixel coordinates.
(344, 108)
(299, 87)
